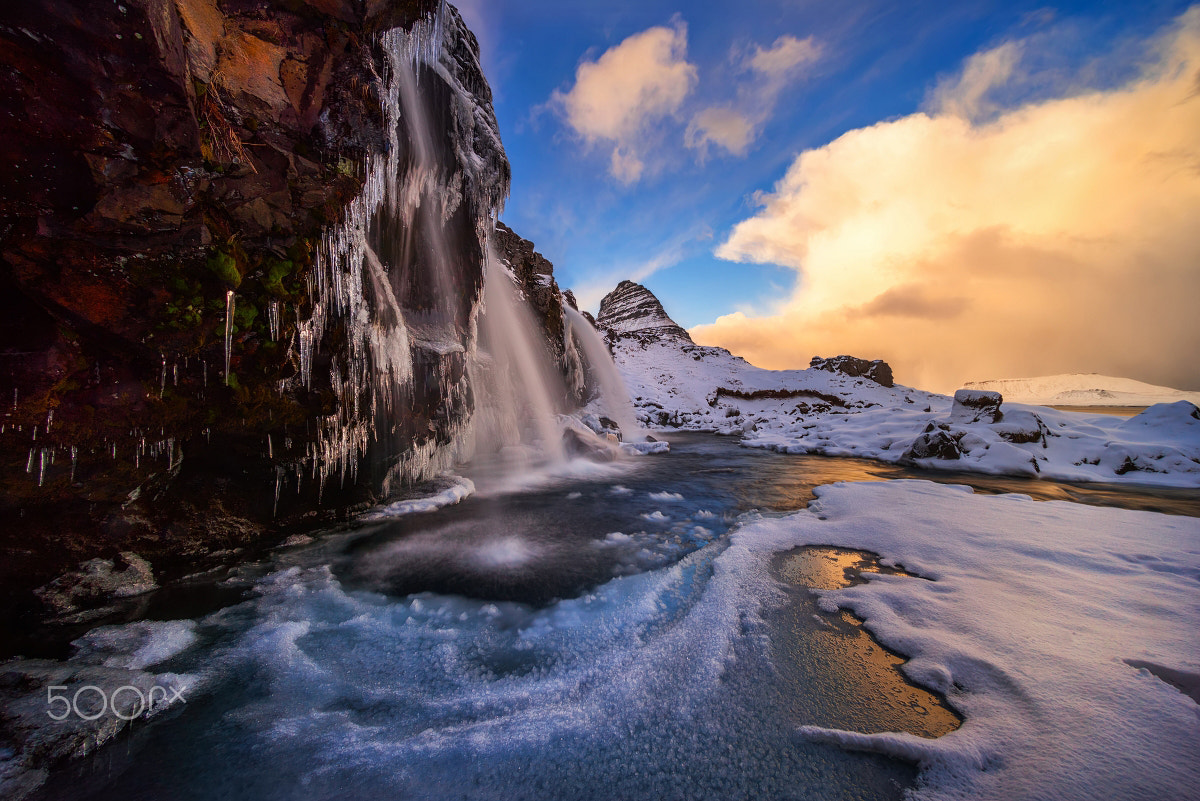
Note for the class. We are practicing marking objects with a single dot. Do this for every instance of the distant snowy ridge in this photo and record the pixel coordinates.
(1083, 389)
(675, 383)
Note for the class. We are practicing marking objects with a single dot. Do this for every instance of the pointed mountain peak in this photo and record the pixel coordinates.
(633, 309)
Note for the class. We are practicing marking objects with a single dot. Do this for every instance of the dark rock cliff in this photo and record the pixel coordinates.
(157, 155)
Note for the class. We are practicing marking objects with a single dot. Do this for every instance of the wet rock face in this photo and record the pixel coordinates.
(877, 370)
(633, 310)
(159, 154)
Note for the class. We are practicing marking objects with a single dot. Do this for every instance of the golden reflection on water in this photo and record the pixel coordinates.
(845, 660)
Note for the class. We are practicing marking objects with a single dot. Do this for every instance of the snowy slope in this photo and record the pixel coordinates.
(1084, 389)
(676, 384)
(1060, 631)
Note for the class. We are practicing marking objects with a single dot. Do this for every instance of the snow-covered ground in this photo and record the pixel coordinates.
(677, 384)
(1064, 633)
(1084, 389)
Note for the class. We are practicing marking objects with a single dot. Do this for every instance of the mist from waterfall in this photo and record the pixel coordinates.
(612, 388)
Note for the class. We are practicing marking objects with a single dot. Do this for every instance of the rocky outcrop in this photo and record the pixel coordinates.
(632, 310)
(976, 405)
(877, 370)
(189, 186)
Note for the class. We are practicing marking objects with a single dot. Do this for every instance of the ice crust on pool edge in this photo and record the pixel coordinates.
(1033, 611)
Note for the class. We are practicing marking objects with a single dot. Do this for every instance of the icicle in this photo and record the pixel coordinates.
(162, 387)
(273, 319)
(270, 450)
(14, 400)
(74, 461)
(49, 420)
(29, 463)
(228, 330)
(42, 471)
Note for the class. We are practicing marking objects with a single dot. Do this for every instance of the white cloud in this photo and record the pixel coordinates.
(785, 56)
(726, 127)
(736, 126)
(1056, 236)
(967, 94)
(620, 96)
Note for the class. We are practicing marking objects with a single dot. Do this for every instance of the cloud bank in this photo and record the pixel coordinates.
(976, 242)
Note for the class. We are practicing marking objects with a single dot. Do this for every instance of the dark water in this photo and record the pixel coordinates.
(568, 639)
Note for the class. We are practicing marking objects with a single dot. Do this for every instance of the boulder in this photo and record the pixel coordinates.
(97, 582)
(976, 406)
(876, 370)
(935, 444)
(1022, 427)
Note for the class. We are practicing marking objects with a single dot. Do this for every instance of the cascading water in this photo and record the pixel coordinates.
(401, 355)
(521, 384)
(398, 291)
(612, 388)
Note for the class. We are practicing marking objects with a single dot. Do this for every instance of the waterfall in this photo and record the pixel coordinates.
(362, 267)
(616, 397)
(522, 384)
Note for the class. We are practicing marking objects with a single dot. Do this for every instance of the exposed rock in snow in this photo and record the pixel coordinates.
(934, 443)
(51, 711)
(633, 309)
(1081, 389)
(877, 370)
(976, 405)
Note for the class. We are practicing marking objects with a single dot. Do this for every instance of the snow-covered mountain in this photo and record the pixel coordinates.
(845, 406)
(1084, 389)
(676, 383)
(633, 309)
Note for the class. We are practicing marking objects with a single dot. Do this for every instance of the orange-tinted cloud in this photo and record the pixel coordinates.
(770, 70)
(973, 242)
(618, 97)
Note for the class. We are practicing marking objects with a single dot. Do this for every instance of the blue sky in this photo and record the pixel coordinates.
(659, 209)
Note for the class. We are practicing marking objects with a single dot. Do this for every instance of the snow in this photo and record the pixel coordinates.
(1087, 389)
(678, 385)
(459, 489)
(1047, 625)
